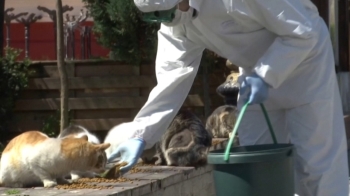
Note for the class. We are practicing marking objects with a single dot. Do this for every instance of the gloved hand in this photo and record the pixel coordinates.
(130, 151)
(258, 89)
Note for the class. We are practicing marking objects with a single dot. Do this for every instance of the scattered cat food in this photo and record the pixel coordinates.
(144, 164)
(110, 176)
(82, 185)
(103, 180)
(138, 170)
(88, 183)
(135, 170)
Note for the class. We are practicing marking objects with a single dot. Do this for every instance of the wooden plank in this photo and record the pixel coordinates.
(104, 113)
(92, 119)
(323, 7)
(25, 125)
(106, 92)
(343, 33)
(199, 90)
(34, 115)
(29, 121)
(100, 124)
(39, 94)
(194, 90)
(50, 71)
(108, 82)
(90, 124)
(93, 82)
(106, 124)
(26, 94)
(98, 103)
(82, 70)
(103, 70)
(147, 69)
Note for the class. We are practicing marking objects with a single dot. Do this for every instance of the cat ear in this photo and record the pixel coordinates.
(102, 147)
(85, 137)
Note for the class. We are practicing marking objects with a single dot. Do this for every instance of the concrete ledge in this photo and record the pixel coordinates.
(144, 180)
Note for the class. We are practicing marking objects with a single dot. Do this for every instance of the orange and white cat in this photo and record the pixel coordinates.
(32, 158)
(78, 131)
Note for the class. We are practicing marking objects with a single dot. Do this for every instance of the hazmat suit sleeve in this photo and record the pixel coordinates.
(297, 36)
(177, 64)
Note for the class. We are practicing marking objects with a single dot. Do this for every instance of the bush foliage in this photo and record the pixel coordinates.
(13, 78)
(118, 27)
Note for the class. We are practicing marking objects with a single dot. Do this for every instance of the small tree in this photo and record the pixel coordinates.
(119, 27)
(61, 66)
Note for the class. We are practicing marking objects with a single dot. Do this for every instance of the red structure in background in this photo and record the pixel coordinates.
(42, 41)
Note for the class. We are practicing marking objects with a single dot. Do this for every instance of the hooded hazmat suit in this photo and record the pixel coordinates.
(287, 44)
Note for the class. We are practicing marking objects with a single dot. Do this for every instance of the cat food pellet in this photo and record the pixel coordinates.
(92, 183)
(137, 170)
(83, 183)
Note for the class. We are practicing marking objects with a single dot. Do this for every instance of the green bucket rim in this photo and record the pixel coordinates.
(251, 154)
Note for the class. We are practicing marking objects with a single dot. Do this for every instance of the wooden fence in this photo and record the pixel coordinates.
(101, 94)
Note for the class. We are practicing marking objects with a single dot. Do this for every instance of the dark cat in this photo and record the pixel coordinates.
(185, 143)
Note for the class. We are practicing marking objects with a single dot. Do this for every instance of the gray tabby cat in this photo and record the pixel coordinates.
(222, 120)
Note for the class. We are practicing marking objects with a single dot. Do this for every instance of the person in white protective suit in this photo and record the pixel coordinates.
(286, 61)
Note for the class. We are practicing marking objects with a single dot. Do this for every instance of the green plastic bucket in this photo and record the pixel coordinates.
(258, 170)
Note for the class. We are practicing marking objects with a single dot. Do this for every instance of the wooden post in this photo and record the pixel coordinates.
(322, 7)
(61, 66)
(343, 33)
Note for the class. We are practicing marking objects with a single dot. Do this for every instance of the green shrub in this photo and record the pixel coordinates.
(119, 28)
(13, 78)
(51, 124)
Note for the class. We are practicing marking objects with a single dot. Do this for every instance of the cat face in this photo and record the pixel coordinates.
(80, 148)
(98, 166)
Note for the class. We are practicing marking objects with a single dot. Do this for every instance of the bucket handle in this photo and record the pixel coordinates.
(239, 119)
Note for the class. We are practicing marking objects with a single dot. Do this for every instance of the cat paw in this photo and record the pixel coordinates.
(88, 174)
(75, 177)
(49, 183)
(158, 162)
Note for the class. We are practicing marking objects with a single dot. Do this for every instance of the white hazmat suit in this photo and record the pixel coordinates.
(288, 45)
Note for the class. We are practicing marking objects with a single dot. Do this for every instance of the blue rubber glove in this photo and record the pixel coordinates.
(259, 89)
(129, 151)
